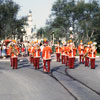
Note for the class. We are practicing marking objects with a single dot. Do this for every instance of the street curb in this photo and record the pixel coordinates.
(6, 60)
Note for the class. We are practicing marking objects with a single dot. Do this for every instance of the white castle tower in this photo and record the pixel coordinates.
(30, 31)
(28, 28)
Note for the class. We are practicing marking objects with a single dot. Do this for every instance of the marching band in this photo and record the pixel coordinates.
(68, 53)
(65, 53)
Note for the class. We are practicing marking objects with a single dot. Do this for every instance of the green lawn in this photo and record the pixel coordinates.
(98, 54)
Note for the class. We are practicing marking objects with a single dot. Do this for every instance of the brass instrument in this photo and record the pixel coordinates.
(93, 49)
(85, 55)
(13, 50)
(73, 47)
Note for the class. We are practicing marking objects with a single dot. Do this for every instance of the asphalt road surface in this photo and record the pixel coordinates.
(26, 83)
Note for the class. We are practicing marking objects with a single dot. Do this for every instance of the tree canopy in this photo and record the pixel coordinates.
(10, 25)
(83, 16)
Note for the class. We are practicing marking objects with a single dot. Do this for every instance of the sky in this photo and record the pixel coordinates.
(41, 9)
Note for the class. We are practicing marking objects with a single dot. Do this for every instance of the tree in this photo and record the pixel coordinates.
(83, 17)
(40, 32)
(9, 23)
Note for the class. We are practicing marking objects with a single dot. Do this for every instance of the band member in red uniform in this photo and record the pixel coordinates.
(46, 56)
(58, 52)
(81, 52)
(23, 50)
(63, 53)
(67, 53)
(86, 54)
(10, 49)
(30, 54)
(14, 54)
(92, 55)
(72, 53)
(36, 52)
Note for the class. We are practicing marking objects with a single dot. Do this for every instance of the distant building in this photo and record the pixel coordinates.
(30, 31)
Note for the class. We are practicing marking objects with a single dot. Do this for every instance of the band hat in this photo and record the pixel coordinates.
(45, 39)
(90, 42)
(64, 44)
(56, 44)
(71, 43)
(94, 43)
(81, 43)
(85, 45)
(37, 44)
(32, 42)
(88, 45)
(68, 44)
(68, 41)
(45, 44)
(34, 45)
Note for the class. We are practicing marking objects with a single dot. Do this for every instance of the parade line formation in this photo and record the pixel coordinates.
(65, 53)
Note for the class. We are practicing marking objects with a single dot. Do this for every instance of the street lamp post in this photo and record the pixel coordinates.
(71, 35)
(53, 38)
(22, 34)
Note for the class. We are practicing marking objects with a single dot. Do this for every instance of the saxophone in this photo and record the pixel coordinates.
(86, 53)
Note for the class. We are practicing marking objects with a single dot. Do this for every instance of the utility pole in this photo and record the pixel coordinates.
(53, 38)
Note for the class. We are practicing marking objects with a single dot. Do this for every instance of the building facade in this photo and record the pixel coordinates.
(30, 31)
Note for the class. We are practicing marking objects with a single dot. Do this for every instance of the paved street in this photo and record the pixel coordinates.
(29, 84)
(26, 83)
